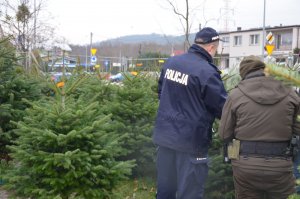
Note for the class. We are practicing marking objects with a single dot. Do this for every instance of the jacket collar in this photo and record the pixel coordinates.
(204, 54)
(258, 73)
(200, 51)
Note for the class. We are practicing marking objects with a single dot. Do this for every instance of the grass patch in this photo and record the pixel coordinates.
(294, 196)
(143, 188)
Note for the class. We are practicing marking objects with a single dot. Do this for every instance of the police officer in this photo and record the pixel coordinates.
(191, 95)
(261, 112)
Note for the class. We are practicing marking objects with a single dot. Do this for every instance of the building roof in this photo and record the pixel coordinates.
(260, 28)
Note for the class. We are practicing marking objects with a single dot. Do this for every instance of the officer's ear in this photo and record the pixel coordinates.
(212, 48)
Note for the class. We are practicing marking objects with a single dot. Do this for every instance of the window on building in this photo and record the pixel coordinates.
(284, 40)
(278, 41)
(254, 39)
(237, 40)
(287, 39)
(225, 41)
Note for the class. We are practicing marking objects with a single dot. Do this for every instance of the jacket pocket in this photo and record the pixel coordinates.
(199, 167)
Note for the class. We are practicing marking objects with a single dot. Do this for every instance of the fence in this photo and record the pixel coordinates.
(49, 63)
(227, 62)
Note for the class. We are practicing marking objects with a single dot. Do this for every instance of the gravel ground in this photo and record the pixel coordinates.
(3, 194)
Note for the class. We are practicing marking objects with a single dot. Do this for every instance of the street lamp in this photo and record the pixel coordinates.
(264, 30)
(86, 57)
(91, 46)
(34, 28)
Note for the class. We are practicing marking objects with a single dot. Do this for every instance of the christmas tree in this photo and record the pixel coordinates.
(15, 85)
(66, 148)
(134, 106)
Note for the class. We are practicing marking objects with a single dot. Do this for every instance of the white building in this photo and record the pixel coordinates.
(241, 43)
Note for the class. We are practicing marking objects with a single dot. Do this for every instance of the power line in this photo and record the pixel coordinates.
(226, 14)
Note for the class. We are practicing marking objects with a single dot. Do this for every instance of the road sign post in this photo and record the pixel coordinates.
(93, 60)
(93, 51)
(270, 47)
(270, 38)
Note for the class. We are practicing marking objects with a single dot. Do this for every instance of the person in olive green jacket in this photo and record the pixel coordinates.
(261, 113)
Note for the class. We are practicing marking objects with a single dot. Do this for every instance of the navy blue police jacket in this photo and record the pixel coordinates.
(191, 95)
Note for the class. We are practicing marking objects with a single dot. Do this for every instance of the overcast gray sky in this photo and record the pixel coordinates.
(106, 19)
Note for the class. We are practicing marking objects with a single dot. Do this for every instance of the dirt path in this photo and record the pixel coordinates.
(3, 194)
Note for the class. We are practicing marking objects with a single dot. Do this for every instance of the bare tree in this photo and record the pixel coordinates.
(188, 13)
(186, 20)
(19, 19)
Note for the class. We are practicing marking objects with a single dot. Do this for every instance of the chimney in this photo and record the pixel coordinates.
(239, 28)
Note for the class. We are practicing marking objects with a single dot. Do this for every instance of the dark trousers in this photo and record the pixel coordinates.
(180, 175)
(262, 184)
(296, 171)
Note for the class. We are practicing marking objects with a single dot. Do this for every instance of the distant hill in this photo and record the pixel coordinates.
(150, 38)
(134, 45)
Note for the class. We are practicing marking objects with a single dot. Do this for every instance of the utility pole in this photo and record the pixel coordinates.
(264, 31)
(91, 46)
(86, 57)
(34, 33)
(226, 14)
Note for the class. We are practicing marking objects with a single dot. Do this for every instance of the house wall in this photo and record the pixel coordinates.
(245, 48)
(224, 47)
(296, 37)
(237, 52)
